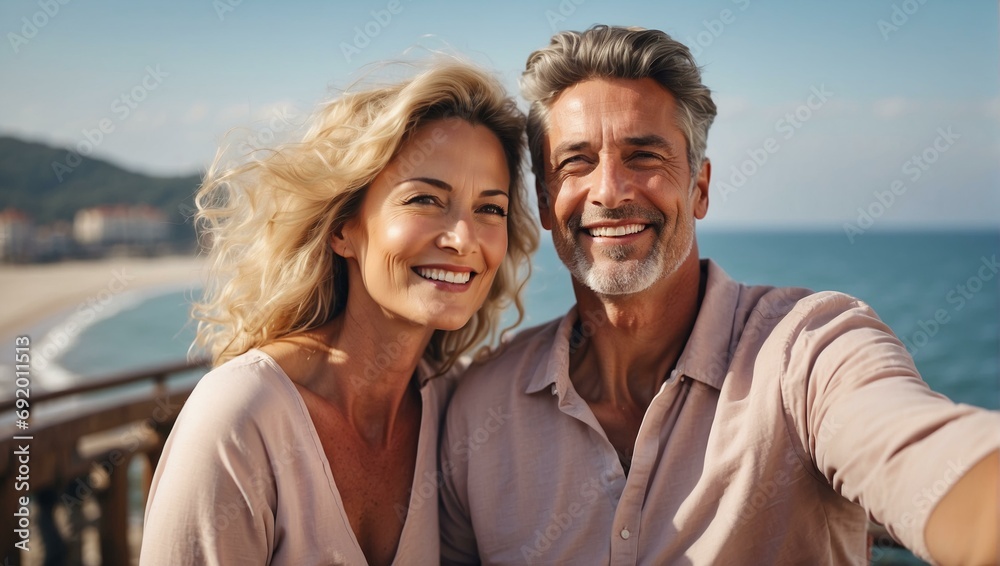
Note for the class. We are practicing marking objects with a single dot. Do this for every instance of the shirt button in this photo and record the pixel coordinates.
(626, 534)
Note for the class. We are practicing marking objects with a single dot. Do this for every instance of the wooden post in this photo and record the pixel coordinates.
(56, 550)
(114, 518)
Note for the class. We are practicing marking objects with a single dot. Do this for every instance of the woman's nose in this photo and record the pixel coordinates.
(458, 237)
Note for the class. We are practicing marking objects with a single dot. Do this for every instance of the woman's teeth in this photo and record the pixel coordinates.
(460, 277)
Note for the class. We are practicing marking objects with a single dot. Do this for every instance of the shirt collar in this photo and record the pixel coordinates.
(705, 357)
(709, 349)
(556, 369)
(426, 371)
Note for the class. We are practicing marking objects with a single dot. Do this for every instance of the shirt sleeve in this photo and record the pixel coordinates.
(867, 422)
(458, 541)
(212, 498)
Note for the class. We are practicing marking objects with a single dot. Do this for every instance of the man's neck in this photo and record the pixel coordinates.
(626, 346)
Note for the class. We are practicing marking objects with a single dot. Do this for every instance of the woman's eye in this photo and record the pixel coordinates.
(423, 199)
(493, 209)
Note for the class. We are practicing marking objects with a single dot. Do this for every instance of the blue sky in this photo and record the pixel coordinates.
(822, 108)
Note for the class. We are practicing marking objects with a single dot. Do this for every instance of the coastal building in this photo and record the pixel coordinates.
(16, 235)
(120, 225)
(54, 242)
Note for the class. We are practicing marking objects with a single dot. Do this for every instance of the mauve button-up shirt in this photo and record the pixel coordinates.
(790, 419)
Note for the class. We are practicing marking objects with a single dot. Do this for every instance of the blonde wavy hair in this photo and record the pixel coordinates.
(268, 220)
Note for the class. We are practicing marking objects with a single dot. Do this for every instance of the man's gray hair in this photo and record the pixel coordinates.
(622, 53)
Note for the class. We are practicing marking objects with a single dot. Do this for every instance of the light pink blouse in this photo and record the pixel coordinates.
(244, 480)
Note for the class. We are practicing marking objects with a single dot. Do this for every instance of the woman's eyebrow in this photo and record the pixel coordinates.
(445, 186)
(430, 181)
(493, 193)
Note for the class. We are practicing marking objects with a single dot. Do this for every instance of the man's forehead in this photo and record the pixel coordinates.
(627, 108)
(606, 89)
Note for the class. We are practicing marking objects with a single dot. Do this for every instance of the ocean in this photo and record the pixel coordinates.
(938, 291)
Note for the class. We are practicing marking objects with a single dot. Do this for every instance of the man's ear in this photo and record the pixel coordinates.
(700, 190)
(544, 210)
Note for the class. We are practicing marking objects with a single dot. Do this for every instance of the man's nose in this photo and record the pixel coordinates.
(612, 186)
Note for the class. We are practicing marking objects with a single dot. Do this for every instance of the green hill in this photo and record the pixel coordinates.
(29, 182)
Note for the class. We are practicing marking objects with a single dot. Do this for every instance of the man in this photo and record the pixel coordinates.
(674, 416)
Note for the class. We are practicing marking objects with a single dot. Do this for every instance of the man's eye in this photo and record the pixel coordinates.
(645, 155)
(573, 160)
(493, 209)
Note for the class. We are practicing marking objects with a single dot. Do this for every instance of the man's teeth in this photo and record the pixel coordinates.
(460, 277)
(607, 231)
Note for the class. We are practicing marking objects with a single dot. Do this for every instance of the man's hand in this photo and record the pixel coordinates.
(964, 528)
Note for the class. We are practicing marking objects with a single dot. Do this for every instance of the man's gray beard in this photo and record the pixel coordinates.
(624, 276)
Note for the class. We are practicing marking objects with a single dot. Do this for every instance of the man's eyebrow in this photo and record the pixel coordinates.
(567, 147)
(652, 140)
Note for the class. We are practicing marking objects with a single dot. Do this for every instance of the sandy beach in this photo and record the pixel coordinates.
(32, 293)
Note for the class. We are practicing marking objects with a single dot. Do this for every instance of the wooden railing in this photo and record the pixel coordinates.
(71, 465)
(83, 441)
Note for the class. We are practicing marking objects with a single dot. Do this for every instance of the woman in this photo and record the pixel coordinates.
(350, 271)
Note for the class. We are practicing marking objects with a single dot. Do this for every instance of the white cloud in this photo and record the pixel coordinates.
(731, 106)
(894, 107)
(233, 114)
(992, 108)
(279, 108)
(196, 113)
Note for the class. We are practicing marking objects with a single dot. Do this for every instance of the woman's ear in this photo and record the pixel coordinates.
(341, 243)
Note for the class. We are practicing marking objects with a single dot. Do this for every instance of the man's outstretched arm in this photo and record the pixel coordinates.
(882, 439)
(964, 527)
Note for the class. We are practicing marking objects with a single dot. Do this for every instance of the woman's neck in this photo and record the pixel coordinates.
(362, 366)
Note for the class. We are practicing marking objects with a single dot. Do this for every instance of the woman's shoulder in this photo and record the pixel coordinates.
(249, 390)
